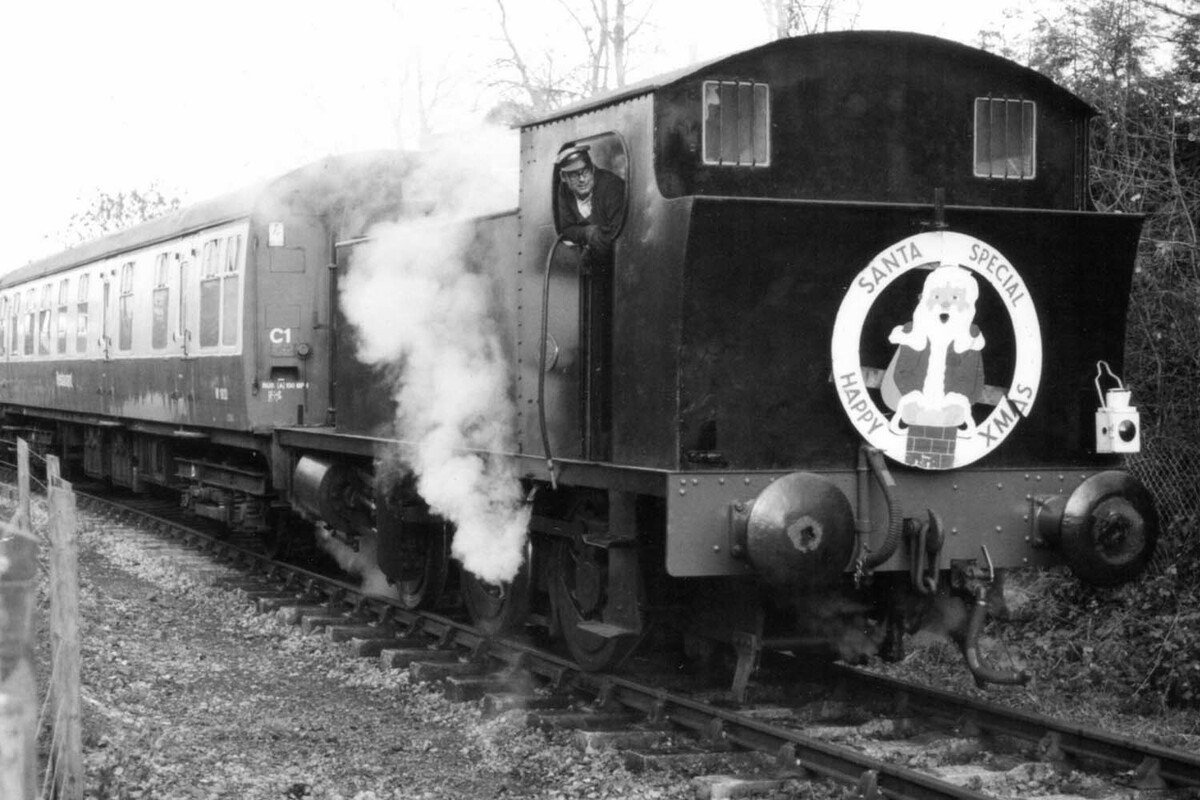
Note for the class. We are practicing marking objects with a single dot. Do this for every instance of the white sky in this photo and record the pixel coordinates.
(203, 98)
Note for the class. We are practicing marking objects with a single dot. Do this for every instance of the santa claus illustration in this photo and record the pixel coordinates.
(936, 373)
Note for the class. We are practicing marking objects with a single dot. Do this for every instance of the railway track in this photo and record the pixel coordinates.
(885, 737)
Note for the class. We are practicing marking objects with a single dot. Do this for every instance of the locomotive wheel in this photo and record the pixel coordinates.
(424, 590)
(278, 538)
(578, 579)
(497, 610)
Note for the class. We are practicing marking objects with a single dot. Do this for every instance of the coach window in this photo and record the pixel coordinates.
(125, 308)
(1005, 138)
(3, 324)
(737, 123)
(15, 324)
(64, 314)
(230, 283)
(43, 321)
(210, 294)
(29, 322)
(160, 302)
(81, 315)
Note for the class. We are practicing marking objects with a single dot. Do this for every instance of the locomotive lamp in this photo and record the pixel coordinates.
(1118, 424)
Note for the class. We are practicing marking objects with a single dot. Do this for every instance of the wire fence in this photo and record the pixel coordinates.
(1169, 466)
(41, 751)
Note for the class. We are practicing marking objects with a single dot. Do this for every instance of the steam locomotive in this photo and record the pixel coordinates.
(860, 329)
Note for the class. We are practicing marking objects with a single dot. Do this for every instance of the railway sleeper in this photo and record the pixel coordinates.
(494, 704)
(373, 648)
(345, 633)
(469, 688)
(439, 671)
(401, 658)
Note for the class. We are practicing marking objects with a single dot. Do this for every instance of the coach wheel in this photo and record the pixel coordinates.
(497, 610)
(424, 590)
(278, 537)
(578, 594)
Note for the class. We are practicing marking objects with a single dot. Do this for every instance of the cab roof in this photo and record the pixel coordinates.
(847, 39)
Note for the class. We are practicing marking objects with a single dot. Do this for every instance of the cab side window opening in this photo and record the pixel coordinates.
(737, 123)
(1005, 138)
(590, 194)
(64, 315)
(125, 308)
(160, 302)
(81, 316)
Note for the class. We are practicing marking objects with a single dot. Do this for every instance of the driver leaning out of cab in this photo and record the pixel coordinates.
(591, 203)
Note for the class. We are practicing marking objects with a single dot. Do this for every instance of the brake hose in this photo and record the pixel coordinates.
(867, 559)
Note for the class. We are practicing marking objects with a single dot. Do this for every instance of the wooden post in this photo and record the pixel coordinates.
(66, 757)
(18, 691)
(24, 518)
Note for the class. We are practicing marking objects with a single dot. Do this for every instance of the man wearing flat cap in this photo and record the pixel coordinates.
(591, 203)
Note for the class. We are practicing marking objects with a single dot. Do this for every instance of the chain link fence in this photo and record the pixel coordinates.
(1169, 466)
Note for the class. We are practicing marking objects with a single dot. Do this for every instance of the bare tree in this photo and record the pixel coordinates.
(108, 213)
(1145, 160)
(606, 30)
(796, 17)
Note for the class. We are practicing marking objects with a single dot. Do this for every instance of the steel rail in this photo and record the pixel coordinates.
(792, 749)
(1173, 766)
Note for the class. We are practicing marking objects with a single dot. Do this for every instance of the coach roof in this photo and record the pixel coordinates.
(319, 184)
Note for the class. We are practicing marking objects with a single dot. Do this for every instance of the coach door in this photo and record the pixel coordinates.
(576, 396)
(184, 377)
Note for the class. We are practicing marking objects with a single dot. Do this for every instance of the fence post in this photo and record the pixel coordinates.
(18, 691)
(66, 757)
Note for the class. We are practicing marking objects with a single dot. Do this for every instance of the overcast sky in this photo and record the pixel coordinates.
(203, 98)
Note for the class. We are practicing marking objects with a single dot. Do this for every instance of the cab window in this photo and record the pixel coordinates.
(1005, 138)
(737, 123)
(609, 165)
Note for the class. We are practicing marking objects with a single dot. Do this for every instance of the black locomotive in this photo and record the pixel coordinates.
(859, 327)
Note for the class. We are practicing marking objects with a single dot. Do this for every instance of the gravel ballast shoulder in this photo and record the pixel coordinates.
(189, 693)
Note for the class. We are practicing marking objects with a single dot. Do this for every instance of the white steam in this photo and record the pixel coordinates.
(361, 561)
(421, 306)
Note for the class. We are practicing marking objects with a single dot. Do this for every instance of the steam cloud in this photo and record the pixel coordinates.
(422, 306)
(362, 561)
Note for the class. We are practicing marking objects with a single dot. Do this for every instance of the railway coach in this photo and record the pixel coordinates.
(857, 326)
